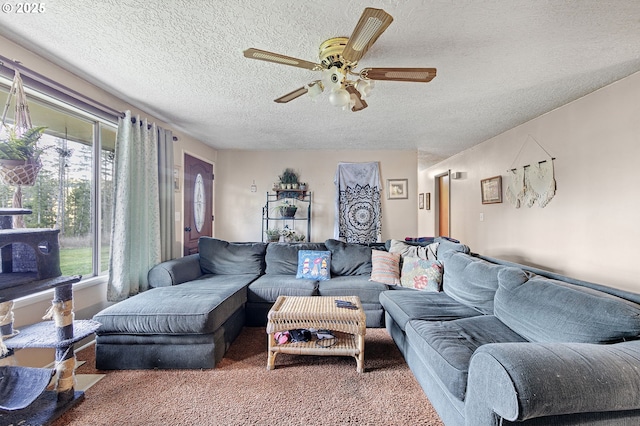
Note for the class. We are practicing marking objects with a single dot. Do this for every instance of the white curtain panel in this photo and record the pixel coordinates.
(358, 207)
(135, 236)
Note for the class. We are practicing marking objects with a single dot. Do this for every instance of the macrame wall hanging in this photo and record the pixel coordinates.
(532, 183)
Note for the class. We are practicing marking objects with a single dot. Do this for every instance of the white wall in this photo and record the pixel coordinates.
(238, 211)
(590, 230)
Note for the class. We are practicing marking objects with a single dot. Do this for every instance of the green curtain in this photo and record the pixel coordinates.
(135, 235)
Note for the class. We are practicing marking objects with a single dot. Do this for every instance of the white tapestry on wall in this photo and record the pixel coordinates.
(358, 207)
(531, 184)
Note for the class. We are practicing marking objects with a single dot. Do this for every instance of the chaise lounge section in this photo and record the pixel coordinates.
(190, 325)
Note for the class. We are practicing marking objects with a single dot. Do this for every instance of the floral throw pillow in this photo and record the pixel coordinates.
(314, 265)
(385, 267)
(421, 274)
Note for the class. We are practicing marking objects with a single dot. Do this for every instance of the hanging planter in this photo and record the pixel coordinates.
(19, 172)
(19, 151)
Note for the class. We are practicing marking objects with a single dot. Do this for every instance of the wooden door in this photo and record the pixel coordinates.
(198, 202)
(443, 206)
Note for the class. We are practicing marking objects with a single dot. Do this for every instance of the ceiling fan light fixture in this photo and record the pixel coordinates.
(333, 77)
(364, 87)
(314, 89)
(339, 57)
(339, 97)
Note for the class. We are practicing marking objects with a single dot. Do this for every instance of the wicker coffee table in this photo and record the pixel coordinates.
(318, 312)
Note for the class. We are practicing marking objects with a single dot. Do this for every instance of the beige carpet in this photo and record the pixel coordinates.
(302, 390)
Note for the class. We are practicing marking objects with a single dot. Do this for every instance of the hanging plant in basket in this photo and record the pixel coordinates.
(19, 151)
(20, 156)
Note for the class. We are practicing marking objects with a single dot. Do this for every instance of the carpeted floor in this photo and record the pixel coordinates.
(302, 390)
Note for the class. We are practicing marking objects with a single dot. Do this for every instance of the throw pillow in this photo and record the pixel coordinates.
(349, 258)
(427, 252)
(385, 267)
(421, 274)
(314, 265)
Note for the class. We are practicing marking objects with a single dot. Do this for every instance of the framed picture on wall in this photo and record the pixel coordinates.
(176, 179)
(397, 189)
(421, 201)
(427, 201)
(491, 190)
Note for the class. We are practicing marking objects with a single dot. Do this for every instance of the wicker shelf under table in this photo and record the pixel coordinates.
(318, 312)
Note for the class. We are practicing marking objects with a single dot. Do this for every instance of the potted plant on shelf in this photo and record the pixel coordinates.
(20, 155)
(288, 179)
(291, 236)
(273, 235)
(287, 209)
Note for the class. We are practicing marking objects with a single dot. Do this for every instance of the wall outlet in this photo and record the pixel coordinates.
(481, 217)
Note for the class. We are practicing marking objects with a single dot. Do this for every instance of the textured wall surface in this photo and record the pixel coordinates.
(500, 63)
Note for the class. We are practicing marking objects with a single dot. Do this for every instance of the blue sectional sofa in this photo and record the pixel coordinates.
(198, 304)
(502, 344)
(508, 344)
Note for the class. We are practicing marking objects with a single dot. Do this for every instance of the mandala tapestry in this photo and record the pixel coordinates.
(359, 213)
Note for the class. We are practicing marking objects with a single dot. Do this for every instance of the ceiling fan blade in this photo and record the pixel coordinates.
(360, 103)
(299, 92)
(263, 55)
(371, 25)
(291, 96)
(419, 75)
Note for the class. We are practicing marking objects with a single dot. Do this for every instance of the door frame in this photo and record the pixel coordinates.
(436, 200)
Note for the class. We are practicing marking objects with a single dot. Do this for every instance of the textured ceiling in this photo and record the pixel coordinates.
(500, 63)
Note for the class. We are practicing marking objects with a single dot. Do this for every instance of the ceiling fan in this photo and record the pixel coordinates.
(339, 57)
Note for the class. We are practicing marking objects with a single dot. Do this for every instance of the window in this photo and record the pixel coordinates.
(73, 191)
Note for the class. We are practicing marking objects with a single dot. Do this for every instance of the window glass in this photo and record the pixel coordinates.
(73, 190)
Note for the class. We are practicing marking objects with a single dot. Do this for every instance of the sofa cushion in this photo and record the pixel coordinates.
(196, 307)
(225, 258)
(421, 274)
(447, 346)
(405, 305)
(470, 280)
(546, 310)
(445, 245)
(314, 265)
(385, 267)
(282, 258)
(349, 258)
(358, 285)
(267, 288)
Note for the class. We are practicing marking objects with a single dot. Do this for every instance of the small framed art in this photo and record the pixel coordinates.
(491, 190)
(176, 178)
(421, 201)
(397, 189)
(427, 200)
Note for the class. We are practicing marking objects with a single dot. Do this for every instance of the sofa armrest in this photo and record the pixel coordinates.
(176, 271)
(520, 381)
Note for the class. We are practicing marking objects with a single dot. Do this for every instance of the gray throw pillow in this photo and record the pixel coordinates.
(225, 258)
(349, 258)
